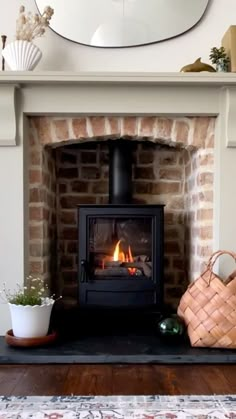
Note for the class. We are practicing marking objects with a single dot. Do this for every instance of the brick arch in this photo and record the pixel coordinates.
(180, 176)
(189, 132)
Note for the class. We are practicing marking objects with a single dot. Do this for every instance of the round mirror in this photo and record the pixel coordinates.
(122, 23)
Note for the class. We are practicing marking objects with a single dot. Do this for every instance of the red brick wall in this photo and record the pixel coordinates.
(42, 214)
(173, 166)
(199, 177)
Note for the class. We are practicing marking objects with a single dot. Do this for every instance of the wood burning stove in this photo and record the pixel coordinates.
(120, 261)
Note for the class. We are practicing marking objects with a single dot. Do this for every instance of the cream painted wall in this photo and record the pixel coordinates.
(11, 233)
(60, 54)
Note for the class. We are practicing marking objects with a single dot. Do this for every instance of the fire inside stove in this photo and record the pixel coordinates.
(121, 261)
(121, 248)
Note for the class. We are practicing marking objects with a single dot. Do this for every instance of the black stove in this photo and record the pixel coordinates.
(120, 262)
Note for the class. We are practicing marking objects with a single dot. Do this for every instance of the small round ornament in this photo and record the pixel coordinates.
(171, 327)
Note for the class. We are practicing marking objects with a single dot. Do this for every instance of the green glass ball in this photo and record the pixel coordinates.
(171, 327)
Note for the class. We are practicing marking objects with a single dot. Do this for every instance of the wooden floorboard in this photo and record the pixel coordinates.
(10, 378)
(229, 374)
(82, 379)
(29, 380)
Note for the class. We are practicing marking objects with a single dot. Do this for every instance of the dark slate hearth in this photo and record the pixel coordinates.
(132, 349)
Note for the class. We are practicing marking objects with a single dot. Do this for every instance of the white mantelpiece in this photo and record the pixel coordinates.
(141, 93)
(59, 93)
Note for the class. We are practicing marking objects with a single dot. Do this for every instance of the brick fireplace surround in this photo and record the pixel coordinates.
(173, 165)
(54, 132)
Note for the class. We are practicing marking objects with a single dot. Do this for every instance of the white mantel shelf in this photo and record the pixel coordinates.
(69, 93)
(55, 77)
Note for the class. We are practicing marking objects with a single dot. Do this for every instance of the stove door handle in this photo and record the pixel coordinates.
(84, 270)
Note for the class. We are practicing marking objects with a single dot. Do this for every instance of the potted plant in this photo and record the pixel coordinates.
(30, 308)
(22, 54)
(219, 57)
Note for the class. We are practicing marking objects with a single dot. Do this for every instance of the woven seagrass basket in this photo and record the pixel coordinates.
(208, 308)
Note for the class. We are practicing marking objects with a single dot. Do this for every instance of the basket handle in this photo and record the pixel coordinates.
(216, 255)
(213, 259)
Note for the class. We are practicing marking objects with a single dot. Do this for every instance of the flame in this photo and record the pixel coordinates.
(116, 255)
(131, 259)
(120, 256)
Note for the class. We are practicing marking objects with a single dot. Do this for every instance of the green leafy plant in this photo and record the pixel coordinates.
(34, 292)
(219, 55)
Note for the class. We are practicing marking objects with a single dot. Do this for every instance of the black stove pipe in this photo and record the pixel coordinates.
(120, 172)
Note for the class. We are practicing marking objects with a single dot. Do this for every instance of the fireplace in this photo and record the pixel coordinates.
(162, 161)
(195, 119)
(120, 244)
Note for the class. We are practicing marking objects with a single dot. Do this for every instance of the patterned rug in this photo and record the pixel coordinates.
(119, 407)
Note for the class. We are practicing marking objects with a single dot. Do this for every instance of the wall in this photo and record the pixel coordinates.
(11, 250)
(60, 54)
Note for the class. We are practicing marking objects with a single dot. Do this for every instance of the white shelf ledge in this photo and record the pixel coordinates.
(55, 77)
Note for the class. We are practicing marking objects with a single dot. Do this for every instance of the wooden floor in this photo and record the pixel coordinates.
(22, 380)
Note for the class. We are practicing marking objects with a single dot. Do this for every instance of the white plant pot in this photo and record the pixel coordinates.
(31, 321)
(21, 55)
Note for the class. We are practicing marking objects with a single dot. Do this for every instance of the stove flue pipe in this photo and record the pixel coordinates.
(120, 172)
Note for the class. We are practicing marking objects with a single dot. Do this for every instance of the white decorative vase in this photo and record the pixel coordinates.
(21, 55)
(31, 321)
